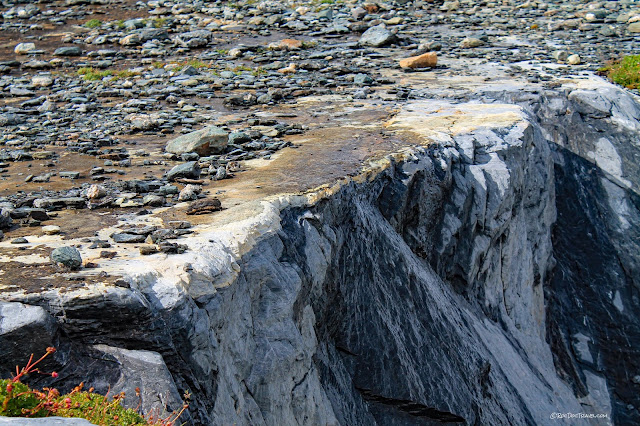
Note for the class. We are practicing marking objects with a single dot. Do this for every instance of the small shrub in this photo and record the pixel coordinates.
(625, 72)
(18, 400)
(258, 72)
(124, 74)
(197, 64)
(239, 69)
(92, 74)
(309, 44)
(93, 23)
(160, 22)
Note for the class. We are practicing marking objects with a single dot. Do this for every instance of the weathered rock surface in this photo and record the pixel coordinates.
(438, 285)
(457, 243)
(210, 140)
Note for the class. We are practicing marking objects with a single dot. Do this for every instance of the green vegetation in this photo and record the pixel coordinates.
(92, 74)
(239, 69)
(19, 400)
(120, 23)
(155, 22)
(625, 72)
(197, 64)
(258, 72)
(93, 23)
(160, 22)
(309, 44)
(222, 51)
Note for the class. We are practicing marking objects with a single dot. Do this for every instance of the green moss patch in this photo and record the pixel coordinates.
(625, 72)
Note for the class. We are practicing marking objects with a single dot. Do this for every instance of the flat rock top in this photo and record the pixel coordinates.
(429, 119)
(303, 113)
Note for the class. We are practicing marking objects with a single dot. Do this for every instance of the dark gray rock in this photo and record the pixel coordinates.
(238, 137)
(198, 38)
(123, 237)
(377, 36)
(68, 51)
(5, 219)
(67, 256)
(146, 371)
(361, 79)
(153, 34)
(189, 170)
(153, 200)
(18, 324)
(60, 203)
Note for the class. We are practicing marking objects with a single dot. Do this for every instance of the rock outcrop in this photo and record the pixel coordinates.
(483, 273)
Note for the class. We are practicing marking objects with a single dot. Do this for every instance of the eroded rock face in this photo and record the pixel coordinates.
(477, 276)
(593, 311)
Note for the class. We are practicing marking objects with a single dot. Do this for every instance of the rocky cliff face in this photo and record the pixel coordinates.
(485, 274)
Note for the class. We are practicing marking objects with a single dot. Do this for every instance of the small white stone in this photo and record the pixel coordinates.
(96, 191)
(42, 81)
(51, 229)
(24, 48)
(573, 60)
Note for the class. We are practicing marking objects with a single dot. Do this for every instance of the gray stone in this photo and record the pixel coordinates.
(210, 140)
(238, 137)
(19, 323)
(153, 200)
(60, 203)
(68, 51)
(634, 27)
(5, 219)
(169, 189)
(67, 256)
(189, 170)
(204, 206)
(189, 193)
(358, 13)
(220, 173)
(69, 175)
(189, 70)
(123, 237)
(131, 40)
(42, 81)
(192, 39)
(361, 79)
(377, 36)
(591, 103)
(471, 42)
(147, 371)
(24, 48)
(153, 34)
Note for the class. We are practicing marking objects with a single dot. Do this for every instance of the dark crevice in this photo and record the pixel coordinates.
(412, 408)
